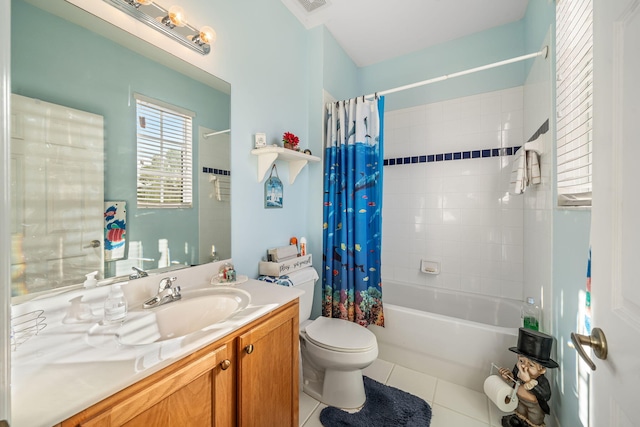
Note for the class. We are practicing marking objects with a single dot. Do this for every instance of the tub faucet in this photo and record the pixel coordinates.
(166, 293)
(139, 273)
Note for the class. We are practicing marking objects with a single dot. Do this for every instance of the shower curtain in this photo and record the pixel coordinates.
(353, 159)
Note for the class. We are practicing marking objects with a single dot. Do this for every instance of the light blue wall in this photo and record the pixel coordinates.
(277, 70)
(266, 55)
(571, 229)
(94, 74)
(539, 16)
(496, 44)
(341, 75)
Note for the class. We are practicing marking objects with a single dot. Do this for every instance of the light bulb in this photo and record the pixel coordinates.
(207, 35)
(176, 16)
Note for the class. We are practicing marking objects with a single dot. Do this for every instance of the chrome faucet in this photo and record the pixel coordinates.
(166, 293)
(139, 273)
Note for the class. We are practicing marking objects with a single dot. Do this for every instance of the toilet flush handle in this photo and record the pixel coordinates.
(249, 349)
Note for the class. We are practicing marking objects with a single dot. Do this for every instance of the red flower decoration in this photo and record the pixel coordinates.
(290, 138)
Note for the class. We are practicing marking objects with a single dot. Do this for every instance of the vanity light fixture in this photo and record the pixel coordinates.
(175, 17)
(170, 22)
(206, 35)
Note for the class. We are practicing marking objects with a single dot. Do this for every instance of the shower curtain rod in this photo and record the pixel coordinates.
(543, 52)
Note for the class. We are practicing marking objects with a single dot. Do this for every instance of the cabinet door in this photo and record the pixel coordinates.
(182, 395)
(268, 372)
(189, 406)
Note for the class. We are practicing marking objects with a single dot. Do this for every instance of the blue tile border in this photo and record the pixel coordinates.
(458, 155)
(217, 171)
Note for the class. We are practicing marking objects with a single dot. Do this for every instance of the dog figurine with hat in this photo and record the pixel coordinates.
(534, 351)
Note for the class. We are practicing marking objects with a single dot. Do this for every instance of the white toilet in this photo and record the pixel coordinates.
(334, 351)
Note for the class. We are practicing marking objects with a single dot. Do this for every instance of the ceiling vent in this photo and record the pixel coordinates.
(311, 5)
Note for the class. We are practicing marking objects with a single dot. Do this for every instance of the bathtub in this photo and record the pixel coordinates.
(451, 335)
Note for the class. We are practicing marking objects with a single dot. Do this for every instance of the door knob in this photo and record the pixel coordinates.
(93, 244)
(225, 364)
(597, 341)
(249, 349)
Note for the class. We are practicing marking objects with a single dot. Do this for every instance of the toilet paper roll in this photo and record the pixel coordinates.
(499, 393)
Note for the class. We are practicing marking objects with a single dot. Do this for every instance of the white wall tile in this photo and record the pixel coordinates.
(511, 289)
(512, 99)
(491, 103)
(470, 283)
(491, 122)
(456, 212)
(511, 218)
(513, 137)
(452, 281)
(451, 216)
(490, 287)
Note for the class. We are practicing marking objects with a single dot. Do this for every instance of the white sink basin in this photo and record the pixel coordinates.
(197, 310)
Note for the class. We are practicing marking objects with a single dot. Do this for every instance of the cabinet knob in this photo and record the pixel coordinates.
(249, 349)
(224, 365)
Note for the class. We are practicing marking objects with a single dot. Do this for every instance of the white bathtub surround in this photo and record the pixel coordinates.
(452, 335)
(457, 212)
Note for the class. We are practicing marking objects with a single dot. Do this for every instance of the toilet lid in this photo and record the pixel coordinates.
(340, 335)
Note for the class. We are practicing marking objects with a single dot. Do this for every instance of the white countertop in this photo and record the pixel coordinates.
(65, 369)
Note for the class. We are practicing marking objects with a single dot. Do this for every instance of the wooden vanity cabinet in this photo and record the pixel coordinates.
(268, 363)
(248, 378)
(188, 393)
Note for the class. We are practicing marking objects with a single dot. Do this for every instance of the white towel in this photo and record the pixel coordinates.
(518, 182)
(533, 168)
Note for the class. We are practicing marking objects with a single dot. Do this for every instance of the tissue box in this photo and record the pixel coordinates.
(283, 253)
(285, 267)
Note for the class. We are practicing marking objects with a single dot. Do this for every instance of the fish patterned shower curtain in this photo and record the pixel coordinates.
(353, 158)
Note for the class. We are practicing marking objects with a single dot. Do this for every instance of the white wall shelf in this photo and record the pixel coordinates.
(296, 160)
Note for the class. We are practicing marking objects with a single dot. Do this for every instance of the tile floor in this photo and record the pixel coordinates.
(452, 405)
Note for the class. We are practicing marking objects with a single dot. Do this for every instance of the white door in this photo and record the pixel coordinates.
(57, 194)
(615, 233)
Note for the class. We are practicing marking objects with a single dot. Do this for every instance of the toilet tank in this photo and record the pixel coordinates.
(306, 300)
(305, 280)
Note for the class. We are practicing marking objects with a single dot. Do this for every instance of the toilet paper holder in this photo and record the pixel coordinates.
(516, 382)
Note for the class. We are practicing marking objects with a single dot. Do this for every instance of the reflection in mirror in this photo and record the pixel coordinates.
(75, 152)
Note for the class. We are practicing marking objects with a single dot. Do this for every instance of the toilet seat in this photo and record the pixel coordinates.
(340, 335)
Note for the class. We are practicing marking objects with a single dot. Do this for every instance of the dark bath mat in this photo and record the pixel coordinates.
(385, 407)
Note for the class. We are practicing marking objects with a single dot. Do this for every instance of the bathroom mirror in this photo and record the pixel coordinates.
(64, 57)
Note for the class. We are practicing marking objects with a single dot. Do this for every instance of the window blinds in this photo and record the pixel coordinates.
(164, 140)
(574, 65)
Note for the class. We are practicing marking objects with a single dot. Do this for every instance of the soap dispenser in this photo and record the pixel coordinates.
(78, 312)
(91, 281)
(115, 306)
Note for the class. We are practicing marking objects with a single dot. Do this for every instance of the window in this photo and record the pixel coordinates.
(574, 101)
(164, 140)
